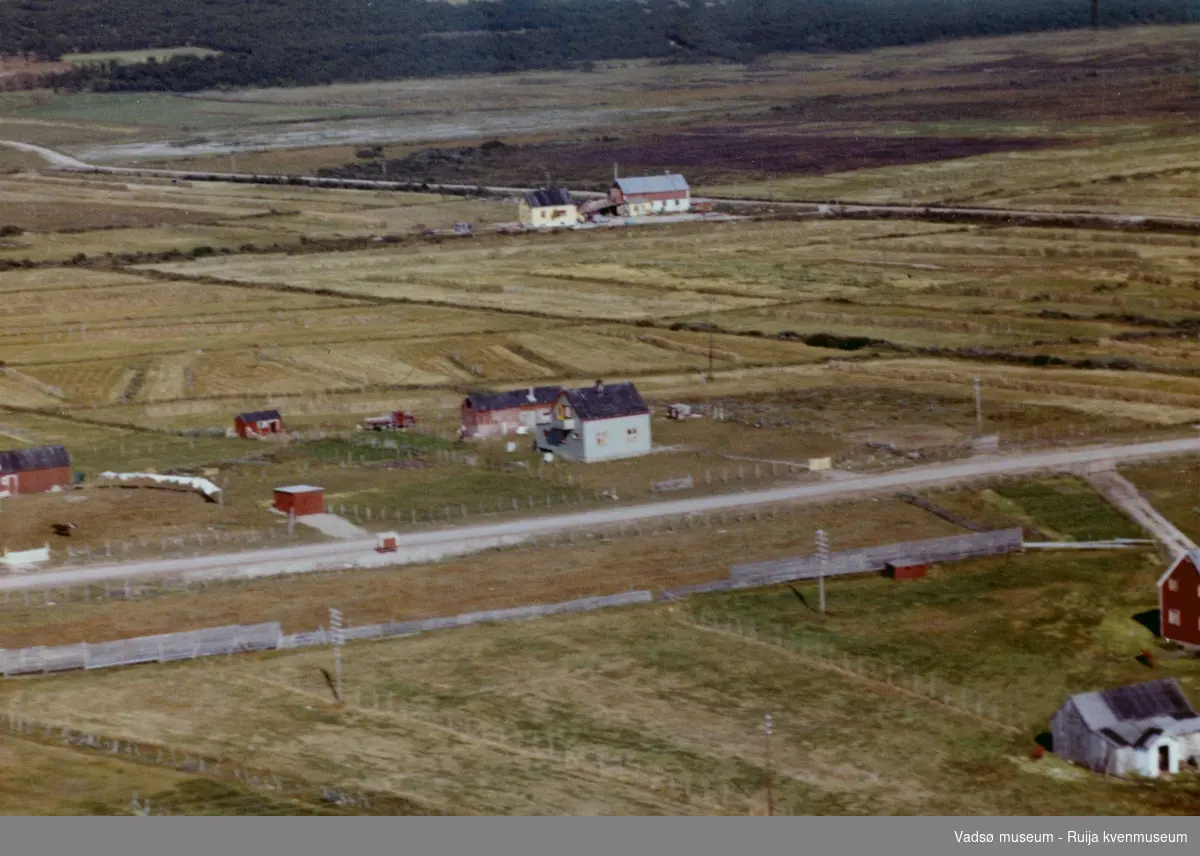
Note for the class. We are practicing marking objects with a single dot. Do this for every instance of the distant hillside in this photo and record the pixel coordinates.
(308, 42)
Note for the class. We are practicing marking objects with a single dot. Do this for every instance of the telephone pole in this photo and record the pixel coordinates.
(335, 626)
(711, 300)
(822, 560)
(767, 726)
(978, 409)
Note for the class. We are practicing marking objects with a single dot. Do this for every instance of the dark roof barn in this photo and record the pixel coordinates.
(548, 198)
(259, 415)
(606, 401)
(486, 401)
(34, 458)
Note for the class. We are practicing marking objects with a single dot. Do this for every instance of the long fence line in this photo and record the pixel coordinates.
(233, 639)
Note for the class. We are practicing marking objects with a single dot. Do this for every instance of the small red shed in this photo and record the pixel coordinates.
(258, 423)
(906, 569)
(300, 498)
(34, 470)
(1179, 600)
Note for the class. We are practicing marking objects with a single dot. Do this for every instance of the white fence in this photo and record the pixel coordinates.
(951, 549)
(237, 639)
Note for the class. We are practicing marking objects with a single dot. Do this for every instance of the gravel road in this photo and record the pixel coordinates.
(460, 540)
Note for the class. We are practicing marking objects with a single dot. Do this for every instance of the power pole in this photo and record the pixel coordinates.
(823, 561)
(335, 626)
(711, 300)
(978, 410)
(767, 723)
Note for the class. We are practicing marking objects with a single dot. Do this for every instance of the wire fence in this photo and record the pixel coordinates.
(960, 699)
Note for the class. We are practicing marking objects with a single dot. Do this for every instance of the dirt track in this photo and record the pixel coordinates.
(455, 541)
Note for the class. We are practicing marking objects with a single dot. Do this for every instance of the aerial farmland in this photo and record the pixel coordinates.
(797, 359)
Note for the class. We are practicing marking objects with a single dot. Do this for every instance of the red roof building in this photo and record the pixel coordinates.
(34, 470)
(301, 499)
(1179, 600)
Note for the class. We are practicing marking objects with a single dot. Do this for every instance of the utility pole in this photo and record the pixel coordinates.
(711, 300)
(767, 724)
(335, 626)
(978, 409)
(823, 561)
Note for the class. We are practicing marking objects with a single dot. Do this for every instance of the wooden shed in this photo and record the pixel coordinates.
(34, 470)
(258, 423)
(905, 569)
(301, 499)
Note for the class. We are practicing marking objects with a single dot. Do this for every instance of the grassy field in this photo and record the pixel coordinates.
(657, 715)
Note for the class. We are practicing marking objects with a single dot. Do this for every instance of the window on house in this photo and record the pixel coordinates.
(631, 434)
(1173, 617)
(1172, 585)
(602, 438)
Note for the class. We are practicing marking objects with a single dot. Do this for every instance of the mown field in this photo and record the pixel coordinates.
(641, 711)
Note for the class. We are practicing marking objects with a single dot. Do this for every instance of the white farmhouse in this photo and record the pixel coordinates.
(599, 423)
(651, 194)
(1147, 729)
(548, 208)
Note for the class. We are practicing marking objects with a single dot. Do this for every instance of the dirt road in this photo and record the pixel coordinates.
(1079, 218)
(454, 541)
(1124, 495)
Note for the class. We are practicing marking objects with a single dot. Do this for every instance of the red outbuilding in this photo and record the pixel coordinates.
(301, 498)
(259, 423)
(905, 569)
(1179, 600)
(499, 414)
(34, 470)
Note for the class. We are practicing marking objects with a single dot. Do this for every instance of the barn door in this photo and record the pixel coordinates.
(8, 485)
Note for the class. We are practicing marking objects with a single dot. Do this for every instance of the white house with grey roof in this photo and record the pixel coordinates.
(597, 423)
(651, 194)
(548, 209)
(1148, 729)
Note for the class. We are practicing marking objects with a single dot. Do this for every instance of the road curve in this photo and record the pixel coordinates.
(460, 540)
(832, 209)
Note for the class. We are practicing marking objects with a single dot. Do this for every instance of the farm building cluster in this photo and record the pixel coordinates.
(640, 196)
(597, 423)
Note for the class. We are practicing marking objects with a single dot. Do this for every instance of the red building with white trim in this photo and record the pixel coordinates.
(1179, 600)
(34, 470)
(498, 414)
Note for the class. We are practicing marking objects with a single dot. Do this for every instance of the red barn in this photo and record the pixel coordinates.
(34, 470)
(501, 413)
(1179, 600)
(652, 194)
(300, 498)
(259, 423)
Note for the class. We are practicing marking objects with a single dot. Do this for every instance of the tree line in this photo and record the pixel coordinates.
(314, 42)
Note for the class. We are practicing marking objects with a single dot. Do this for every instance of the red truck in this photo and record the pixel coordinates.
(397, 420)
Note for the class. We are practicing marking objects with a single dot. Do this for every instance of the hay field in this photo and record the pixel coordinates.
(476, 720)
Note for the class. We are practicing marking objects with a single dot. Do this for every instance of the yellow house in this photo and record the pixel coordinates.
(548, 208)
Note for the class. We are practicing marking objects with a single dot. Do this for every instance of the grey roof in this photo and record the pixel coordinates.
(1192, 556)
(34, 458)
(297, 488)
(259, 415)
(670, 183)
(513, 398)
(607, 401)
(1132, 715)
(548, 197)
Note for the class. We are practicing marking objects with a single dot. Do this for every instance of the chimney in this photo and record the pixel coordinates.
(530, 397)
(599, 385)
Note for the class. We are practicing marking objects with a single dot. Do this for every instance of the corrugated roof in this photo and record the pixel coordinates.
(607, 401)
(486, 401)
(670, 183)
(549, 197)
(259, 415)
(298, 488)
(34, 458)
(1163, 697)
(1133, 715)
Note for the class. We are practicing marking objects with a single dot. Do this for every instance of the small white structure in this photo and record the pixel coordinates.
(679, 411)
(546, 209)
(19, 560)
(1145, 729)
(598, 423)
(817, 464)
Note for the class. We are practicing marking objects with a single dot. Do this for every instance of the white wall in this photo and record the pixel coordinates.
(608, 439)
(568, 216)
